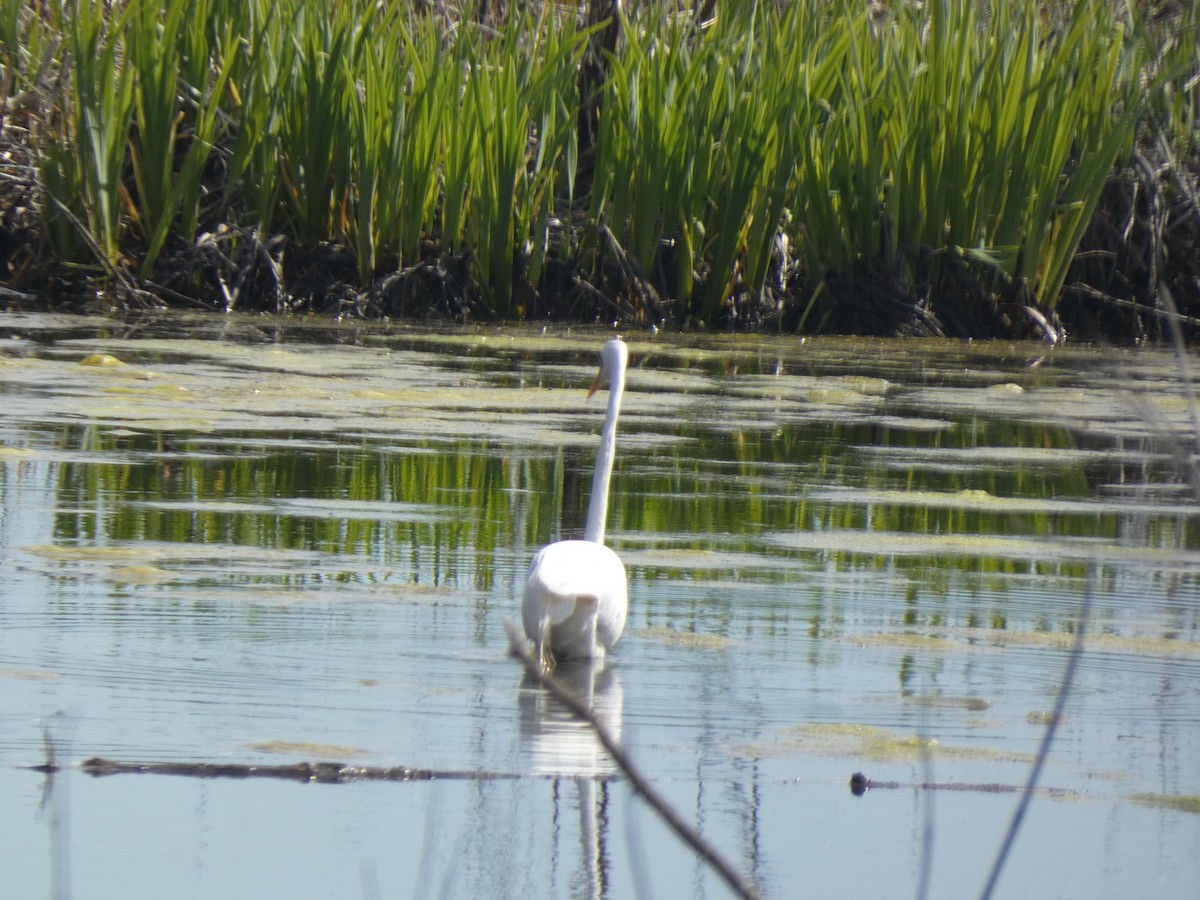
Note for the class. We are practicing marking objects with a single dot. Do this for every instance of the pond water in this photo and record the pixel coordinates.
(260, 541)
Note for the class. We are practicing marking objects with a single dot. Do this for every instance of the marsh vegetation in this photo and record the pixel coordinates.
(969, 169)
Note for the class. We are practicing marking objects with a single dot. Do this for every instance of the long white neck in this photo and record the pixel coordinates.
(598, 505)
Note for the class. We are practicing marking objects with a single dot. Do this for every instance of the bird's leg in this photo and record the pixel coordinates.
(544, 654)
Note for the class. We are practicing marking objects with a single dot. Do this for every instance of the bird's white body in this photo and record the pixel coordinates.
(578, 588)
(576, 599)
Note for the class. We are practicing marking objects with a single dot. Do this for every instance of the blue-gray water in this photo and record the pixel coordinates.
(258, 543)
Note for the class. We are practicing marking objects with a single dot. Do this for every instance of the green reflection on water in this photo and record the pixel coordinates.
(925, 471)
(769, 504)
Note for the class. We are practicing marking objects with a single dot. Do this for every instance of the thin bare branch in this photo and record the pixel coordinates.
(1060, 702)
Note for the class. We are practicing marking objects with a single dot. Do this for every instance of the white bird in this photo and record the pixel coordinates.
(575, 593)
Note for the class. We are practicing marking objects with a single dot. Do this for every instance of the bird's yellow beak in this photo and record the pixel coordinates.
(596, 383)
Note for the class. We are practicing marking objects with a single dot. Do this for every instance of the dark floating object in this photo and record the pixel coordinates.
(324, 773)
(860, 784)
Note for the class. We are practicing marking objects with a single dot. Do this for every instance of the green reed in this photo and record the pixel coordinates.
(395, 135)
(84, 172)
(177, 101)
(320, 92)
(911, 145)
(1168, 59)
(511, 186)
(27, 47)
(255, 103)
(998, 140)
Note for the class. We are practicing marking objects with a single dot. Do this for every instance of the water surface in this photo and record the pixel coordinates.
(260, 541)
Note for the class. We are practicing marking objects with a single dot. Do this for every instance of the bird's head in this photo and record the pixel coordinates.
(614, 355)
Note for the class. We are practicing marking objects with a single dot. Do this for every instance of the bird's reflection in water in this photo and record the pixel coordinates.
(561, 745)
(558, 742)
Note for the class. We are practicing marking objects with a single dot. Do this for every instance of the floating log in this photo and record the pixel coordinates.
(860, 784)
(322, 772)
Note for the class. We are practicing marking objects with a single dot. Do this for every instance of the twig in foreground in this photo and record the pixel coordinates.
(1044, 750)
(706, 851)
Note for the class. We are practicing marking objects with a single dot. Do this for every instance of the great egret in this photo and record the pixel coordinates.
(575, 596)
